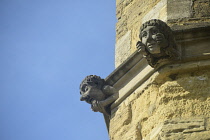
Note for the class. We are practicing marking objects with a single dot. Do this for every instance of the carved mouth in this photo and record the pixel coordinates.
(150, 45)
(89, 99)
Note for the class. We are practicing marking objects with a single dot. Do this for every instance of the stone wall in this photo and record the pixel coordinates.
(170, 102)
(132, 13)
(172, 106)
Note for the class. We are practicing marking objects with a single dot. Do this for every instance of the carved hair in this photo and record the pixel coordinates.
(171, 49)
(91, 80)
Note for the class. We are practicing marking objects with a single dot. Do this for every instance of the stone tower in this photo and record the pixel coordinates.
(146, 97)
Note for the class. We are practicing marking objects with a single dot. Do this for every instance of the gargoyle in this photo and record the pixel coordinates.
(94, 91)
(157, 42)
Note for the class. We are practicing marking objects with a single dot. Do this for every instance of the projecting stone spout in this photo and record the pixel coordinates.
(157, 43)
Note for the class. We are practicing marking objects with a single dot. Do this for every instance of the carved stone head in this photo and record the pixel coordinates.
(94, 91)
(157, 42)
(91, 89)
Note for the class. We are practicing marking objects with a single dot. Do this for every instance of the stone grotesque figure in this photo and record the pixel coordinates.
(94, 91)
(157, 42)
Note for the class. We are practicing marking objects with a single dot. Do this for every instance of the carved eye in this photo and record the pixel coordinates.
(86, 88)
(154, 32)
(144, 34)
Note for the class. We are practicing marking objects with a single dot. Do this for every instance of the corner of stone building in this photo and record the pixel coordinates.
(173, 101)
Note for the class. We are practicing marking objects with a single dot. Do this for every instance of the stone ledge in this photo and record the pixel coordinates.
(161, 73)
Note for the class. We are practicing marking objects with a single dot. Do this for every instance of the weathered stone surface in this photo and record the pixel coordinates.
(120, 120)
(201, 8)
(134, 133)
(123, 46)
(157, 12)
(189, 125)
(179, 9)
(177, 128)
(208, 123)
(186, 129)
(170, 95)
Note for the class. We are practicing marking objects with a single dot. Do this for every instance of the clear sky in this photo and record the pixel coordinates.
(47, 47)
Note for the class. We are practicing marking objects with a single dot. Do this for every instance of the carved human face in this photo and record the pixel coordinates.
(91, 93)
(149, 39)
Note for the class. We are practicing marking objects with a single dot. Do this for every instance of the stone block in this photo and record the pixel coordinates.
(204, 135)
(189, 125)
(201, 8)
(188, 129)
(177, 9)
(122, 49)
(154, 13)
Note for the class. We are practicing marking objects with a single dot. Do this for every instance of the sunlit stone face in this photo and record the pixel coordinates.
(90, 93)
(150, 38)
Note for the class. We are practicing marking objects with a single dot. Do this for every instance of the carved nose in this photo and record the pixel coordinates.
(82, 98)
(149, 37)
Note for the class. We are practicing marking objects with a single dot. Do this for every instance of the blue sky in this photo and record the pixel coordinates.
(47, 47)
